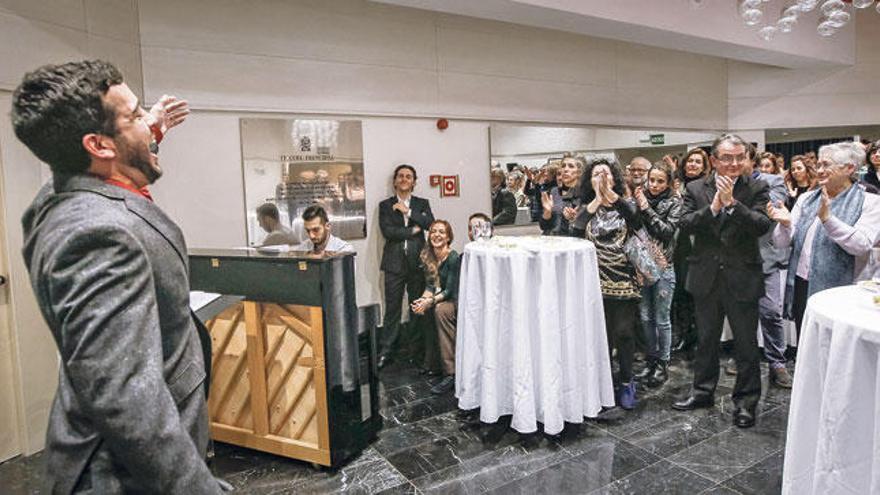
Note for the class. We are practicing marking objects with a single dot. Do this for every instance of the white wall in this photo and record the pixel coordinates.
(763, 97)
(366, 58)
(202, 187)
(35, 357)
(34, 33)
(41, 32)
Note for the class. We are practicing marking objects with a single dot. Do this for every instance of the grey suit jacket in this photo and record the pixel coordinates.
(110, 273)
(773, 258)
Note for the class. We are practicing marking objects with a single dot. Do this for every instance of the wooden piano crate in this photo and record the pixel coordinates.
(268, 389)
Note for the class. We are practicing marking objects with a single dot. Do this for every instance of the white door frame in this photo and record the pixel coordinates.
(11, 427)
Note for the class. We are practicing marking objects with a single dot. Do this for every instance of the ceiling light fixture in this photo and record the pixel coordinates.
(835, 15)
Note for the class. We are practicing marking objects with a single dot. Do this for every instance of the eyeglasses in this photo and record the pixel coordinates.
(633, 170)
(822, 165)
(729, 159)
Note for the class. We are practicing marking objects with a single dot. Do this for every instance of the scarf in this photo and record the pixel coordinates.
(830, 265)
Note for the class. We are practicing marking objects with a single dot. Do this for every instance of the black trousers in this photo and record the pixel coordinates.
(621, 316)
(743, 317)
(799, 303)
(412, 339)
(684, 327)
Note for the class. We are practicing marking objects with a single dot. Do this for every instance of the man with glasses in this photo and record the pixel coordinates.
(725, 212)
(637, 173)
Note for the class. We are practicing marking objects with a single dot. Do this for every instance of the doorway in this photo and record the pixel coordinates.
(10, 441)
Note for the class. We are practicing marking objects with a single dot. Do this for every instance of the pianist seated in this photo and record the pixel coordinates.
(320, 240)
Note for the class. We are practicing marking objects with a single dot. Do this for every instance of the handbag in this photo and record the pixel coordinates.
(646, 256)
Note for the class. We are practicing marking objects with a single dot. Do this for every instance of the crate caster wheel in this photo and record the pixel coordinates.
(317, 467)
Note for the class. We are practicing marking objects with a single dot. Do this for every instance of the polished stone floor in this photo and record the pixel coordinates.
(426, 447)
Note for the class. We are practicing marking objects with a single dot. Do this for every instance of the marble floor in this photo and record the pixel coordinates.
(426, 447)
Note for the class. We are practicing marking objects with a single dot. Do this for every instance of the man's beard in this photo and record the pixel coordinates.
(139, 158)
(320, 246)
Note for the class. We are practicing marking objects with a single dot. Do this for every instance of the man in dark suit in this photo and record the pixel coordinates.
(503, 201)
(404, 219)
(726, 214)
(110, 274)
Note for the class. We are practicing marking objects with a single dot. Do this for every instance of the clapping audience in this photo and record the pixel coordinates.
(820, 210)
(660, 211)
(831, 229)
(608, 219)
(799, 178)
(560, 204)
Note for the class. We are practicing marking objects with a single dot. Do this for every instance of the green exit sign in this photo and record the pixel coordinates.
(658, 138)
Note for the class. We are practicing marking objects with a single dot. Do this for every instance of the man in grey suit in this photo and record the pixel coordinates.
(110, 274)
(774, 259)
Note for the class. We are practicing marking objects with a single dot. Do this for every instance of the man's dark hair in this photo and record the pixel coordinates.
(56, 105)
(481, 216)
(403, 166)
(734, 140)
(267, 210)
(315, 211)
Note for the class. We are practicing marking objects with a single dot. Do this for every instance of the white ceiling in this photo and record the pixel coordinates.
(709, 27)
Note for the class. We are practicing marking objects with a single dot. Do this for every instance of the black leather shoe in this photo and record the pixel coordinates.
(445, 385)
(647, 372)
(744, 418)
(383, 361)
(692, 402)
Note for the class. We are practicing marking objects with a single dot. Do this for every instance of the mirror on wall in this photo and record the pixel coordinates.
(291, 164)
(527, 159)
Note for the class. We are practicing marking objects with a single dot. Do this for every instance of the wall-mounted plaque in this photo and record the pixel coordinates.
(295, 163)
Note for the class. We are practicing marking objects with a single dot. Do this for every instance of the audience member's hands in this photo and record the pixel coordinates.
(169, 111)
(824, 206)
(401, 207)
(421, 305)
(610, 196)
(641, 200)
(546, 201)
(569, 213)
(779, 213)
(725, 188)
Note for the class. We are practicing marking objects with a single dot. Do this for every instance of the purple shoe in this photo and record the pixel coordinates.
(626, 398)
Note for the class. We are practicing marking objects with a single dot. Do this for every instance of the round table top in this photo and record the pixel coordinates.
(851, 304)
(504, 245)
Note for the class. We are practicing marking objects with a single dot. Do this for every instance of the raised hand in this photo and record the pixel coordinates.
(546, 201)
(401, 207)
(641, 200)
(169, 111)
(779, 213)
(824, 206)
(725, 188)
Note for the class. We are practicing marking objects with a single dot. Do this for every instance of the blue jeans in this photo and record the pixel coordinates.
(770, 312)
(655, 308)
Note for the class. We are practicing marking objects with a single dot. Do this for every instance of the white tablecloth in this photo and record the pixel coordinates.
(531, 332)
(833, 444)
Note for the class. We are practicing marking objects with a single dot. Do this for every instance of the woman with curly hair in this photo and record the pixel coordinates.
(799, 179)
(607, 220)
(441, 265)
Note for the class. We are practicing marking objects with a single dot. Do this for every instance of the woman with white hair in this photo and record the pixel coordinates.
(831, 229)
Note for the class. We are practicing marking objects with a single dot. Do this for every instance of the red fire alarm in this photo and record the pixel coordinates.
(442, 124)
